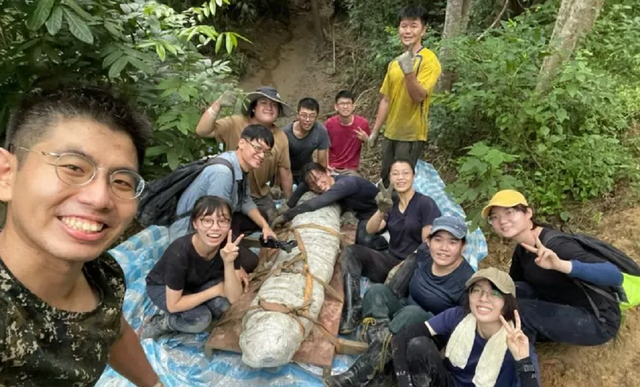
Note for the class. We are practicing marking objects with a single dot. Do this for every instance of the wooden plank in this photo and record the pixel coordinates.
(316, 349)
(351, 347)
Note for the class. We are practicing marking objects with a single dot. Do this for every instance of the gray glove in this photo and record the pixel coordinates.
(371, 142)
(383, 198)
(406, 61)
(228, 98)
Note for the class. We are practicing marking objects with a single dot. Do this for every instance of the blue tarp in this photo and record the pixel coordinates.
(180, 359)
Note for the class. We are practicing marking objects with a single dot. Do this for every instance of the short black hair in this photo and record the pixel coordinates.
(309, 103)
(404, 161)
(40, 111)
(254, 103)
(309, 168)
(463, 240)
(345, 94)
(508, 310)
(258, 132)
(413, 12)
(207, 205)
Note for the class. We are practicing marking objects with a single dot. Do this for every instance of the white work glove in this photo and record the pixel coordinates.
(406, 61)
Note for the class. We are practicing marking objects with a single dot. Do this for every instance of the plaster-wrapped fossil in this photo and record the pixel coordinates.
(270, 339)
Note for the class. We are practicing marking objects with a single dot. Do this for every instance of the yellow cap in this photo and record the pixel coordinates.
(504, 198)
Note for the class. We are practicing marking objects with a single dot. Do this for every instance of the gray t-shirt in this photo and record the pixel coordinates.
(301, 149)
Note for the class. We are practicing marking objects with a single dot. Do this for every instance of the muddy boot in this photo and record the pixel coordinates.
(374, 329)
(352, 309)
(364, 369)
(155, 326)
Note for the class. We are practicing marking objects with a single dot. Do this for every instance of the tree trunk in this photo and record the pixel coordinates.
(575, 19)
(455, 24)
(317, 23)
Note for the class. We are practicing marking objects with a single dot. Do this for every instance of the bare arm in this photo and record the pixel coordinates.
(426, 230)
(176, 302)
(323, 157)
(207, 124)
(286, 181)
(232, 284)
(381, 117)
(376, 223)
(257, 218)
(415, 89)
(127, 357)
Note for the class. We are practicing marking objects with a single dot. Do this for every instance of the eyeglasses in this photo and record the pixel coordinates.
(344, 103)
(493, 295)
(509, 213)
(305, 117)
(208, 222)
(76, 170)
(403, 174)
(259, 149)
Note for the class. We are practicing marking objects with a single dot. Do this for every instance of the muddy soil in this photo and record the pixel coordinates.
(286, 57)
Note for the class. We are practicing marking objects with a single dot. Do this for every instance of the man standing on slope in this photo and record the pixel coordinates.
(406, 93)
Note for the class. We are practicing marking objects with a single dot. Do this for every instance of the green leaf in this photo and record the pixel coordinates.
(140, 65)
(156, 150)
(52, 54)
(219, 41)
(111, 58)
(40, 14)
(173, 159)
(78, 9)
(229, 43)
(113, 28)
(55, 21)
(479, 149)
(561, 115)
(118, 66)
(162, 53)
(78, 27)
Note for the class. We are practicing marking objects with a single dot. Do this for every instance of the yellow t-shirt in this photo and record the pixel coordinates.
(407, 120)
(228, 131)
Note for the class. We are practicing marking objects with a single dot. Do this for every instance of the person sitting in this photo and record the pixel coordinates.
(438, 284)
(263, 108)
(306, 135)
(408, 218)
(485, 345)
(347, 132)
(218, 180)
(198, 277)
(555, 306)
(353, 193)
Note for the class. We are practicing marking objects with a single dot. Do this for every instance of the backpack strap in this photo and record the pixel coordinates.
(216, 160)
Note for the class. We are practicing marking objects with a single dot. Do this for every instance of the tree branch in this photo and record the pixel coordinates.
(495, 22)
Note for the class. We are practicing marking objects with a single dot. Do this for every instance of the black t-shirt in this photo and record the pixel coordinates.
(554, 286)
(405, 228)
(182, 268)
(301, 149)
(351, 192)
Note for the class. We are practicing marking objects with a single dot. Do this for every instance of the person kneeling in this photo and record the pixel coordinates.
(485, 345)
(198, 277)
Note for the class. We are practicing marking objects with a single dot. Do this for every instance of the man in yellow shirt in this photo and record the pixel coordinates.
(406, 93)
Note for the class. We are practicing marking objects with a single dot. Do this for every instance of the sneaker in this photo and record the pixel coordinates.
(154, 327)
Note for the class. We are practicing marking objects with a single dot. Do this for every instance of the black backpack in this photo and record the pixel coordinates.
(609, 254)
(158, 203)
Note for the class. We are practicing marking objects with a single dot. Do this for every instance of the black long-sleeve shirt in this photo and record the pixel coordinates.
(351, 192)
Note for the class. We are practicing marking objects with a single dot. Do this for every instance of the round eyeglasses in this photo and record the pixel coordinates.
(77, 170)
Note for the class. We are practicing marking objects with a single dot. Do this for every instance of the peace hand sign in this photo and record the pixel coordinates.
(517, 341)
(230, 251)
(362, 135)
(383, 198)
(547, 258)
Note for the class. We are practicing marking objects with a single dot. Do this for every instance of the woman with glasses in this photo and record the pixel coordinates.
(483, 341)
(198, 277)
(408, 218)
(554, 303)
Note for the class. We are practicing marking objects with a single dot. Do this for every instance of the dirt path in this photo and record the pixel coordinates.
(287, 58)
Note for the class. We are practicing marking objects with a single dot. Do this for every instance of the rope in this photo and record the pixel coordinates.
(385, 350)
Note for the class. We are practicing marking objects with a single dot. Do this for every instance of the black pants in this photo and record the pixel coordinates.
(548, 321)
(366, 262)
(426, 367)
(242, 224)
(393, 149)
(373, 241)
